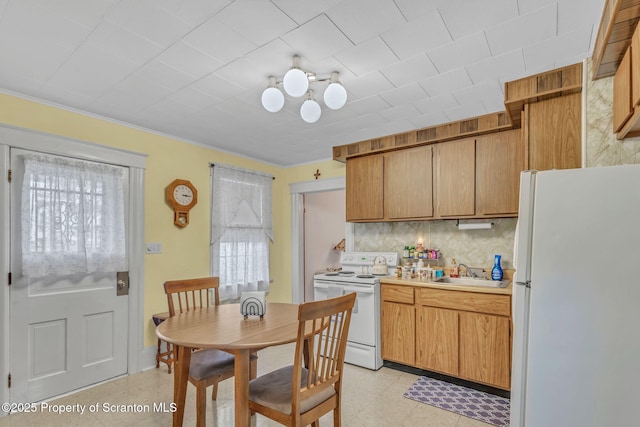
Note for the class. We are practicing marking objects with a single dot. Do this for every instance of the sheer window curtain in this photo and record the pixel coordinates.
(72, 217)
(241, 229)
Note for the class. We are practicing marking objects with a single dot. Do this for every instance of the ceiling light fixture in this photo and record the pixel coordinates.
(296, 83)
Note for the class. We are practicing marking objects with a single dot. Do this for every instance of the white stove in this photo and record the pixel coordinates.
(356, 275)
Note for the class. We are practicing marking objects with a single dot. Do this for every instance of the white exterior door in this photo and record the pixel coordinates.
(66, 332)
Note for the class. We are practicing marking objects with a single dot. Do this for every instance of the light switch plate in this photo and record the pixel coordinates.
(153, 248)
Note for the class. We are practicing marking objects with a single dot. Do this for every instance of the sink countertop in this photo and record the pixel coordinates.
(448, 286)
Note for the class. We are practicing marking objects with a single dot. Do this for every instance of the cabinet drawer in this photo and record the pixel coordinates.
(403, 294)
(465, 301)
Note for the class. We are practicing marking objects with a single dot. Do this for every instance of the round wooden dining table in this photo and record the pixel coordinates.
(223, 327)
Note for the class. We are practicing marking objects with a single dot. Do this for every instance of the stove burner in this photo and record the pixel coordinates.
(330, 274)
(365, 276)
(347, 273)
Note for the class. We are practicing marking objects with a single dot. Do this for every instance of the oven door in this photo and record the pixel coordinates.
(362, 329)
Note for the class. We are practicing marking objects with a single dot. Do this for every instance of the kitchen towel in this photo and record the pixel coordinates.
(465, 401)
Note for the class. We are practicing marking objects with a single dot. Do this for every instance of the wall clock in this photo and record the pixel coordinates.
(181, 196)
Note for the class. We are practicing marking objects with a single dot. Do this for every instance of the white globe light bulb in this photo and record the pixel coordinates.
(335, 96)
(272, 99)
(310, 111)
(295, 82)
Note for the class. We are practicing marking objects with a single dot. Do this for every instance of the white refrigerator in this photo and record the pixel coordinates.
(576, 344)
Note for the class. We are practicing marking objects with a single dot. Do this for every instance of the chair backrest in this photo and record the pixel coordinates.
(187, 294)
(323, 327)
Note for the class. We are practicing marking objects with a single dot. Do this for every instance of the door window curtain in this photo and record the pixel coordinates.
(72, 217)
(241, 229)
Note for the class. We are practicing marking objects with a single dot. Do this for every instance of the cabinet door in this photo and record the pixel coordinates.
(408, 183)
(455, 178)
(554, 133)
(364, 190)
(485, 352)
(398, 332)
(635, 67)
(437, 340)
(622, 92)
(499, 161)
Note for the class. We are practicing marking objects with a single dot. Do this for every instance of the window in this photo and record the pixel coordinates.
(72, 217)
(241, 229)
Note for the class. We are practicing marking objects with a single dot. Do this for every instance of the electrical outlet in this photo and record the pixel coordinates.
(153, 248)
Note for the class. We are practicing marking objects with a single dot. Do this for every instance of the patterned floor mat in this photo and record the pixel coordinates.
(461, 400)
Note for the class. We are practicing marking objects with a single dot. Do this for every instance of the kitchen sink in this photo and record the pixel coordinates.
(468, 281)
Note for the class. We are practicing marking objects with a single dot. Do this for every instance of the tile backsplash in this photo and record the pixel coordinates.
(474, 248)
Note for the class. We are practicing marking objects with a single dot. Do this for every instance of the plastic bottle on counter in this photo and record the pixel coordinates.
(405, 252)
(496, 271)
(453, 269)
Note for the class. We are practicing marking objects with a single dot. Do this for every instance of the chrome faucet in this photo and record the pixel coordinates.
(474, 273)
(467, 269)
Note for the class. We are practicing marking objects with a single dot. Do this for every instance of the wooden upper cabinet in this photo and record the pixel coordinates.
(455, 173)
(622, 92)
(364, 189)
(408, 183)
(499, 161)
(554, 136)
(635, 67)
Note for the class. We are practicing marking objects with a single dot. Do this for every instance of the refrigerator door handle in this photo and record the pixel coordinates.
(526, 284)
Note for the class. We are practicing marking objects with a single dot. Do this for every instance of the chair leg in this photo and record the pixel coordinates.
(201, 403)
(214, 393)
(336, 416)
(253, 369)
(158, 355)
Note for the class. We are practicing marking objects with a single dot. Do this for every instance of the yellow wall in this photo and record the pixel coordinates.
(185, 252)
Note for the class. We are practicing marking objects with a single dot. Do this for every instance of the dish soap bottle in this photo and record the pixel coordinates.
(496, 271)
(453, 269)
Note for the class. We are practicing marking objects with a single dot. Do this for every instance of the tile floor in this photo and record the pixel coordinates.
(370, 399)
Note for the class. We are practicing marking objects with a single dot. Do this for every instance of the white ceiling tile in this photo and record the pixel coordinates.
(470, 49)
(90, 71)
(428, 120)
(360, 20)
(146, 18)
(62, 96)
(571, 12)
(409, 70)
(447, 82)
(317, 39)
(218, 87)
(465, 17)
(217, 39)
(258, 21)
(157, 73)
(562, 46)
(29, 20)
(494, 104)
(274, 58)
(367, 84)
(19, 82)
(404, 95)
(509, 66)
(119, 41)
(524, 31)
(418, 35)
(189, 60)
(87, 13)
(528, 6)
(465, 111)
(303, 11)
(478, 92)
(436, 103)
(193, 11)
(24, 63)
(401, 112)
(193, 98)
(413, 8)
(372, 104)
(367, 56)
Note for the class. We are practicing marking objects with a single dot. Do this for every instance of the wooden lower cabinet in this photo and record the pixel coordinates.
(437, 340)
(485, 350)
(461, 334)
(399, 332)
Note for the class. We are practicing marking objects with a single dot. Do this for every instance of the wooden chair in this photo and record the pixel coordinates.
(208, 366)
(299, 394)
